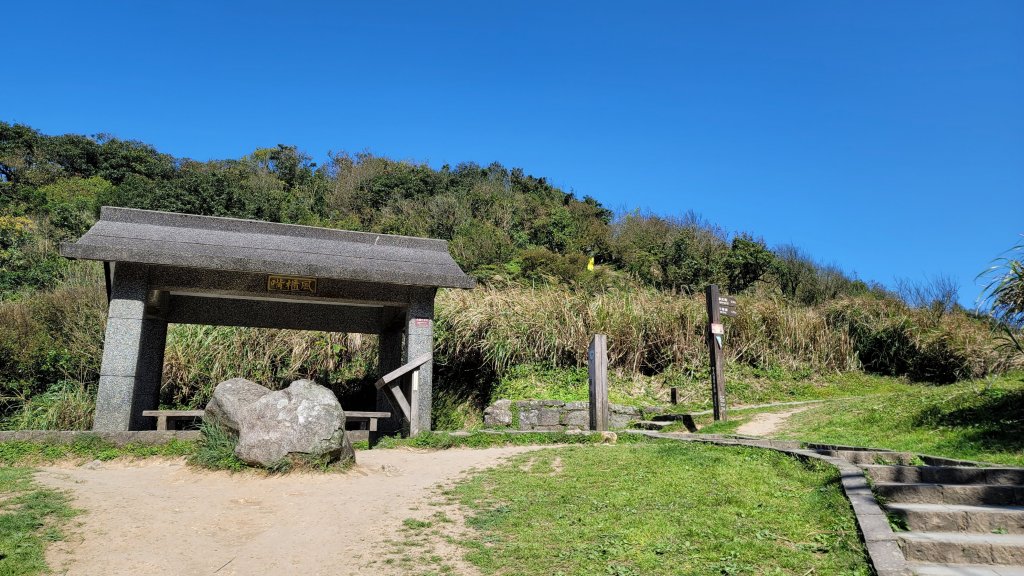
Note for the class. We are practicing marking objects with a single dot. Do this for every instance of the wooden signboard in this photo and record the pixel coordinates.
(277, 283)
(718, 306)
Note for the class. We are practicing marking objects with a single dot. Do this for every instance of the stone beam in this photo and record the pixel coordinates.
(274, 314)
(231, 283)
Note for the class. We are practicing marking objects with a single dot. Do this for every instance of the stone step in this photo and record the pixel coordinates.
(869, 457)
(965, 570)
(960, 518)
(960, 548)
(969, 494)
(650, 424)
(945, 474)
(672, 417)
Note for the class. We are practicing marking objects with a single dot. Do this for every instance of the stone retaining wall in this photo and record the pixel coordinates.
(552, 415)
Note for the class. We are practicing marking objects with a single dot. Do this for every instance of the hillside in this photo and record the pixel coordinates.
(527, 241)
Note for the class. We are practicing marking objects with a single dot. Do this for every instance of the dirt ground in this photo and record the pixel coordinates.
(767, 423)
(158, 517)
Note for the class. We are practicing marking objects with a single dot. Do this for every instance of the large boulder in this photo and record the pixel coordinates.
(230, 397)
(304, 419)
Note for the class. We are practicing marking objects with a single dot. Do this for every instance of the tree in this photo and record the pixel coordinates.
(1003, 293)
(747, 262)
(793, 270)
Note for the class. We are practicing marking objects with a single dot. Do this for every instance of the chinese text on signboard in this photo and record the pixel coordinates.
(291, 284)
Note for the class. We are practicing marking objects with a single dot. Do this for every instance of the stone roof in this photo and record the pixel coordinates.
(207, 242)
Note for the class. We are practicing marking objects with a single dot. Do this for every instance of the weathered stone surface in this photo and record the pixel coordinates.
(498, 414)
(549, 417)
(303, 419)
(576, 419)
(621, 416)
(528, 415)
(230, 398)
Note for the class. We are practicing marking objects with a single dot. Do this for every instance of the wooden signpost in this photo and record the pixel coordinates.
(718, 306)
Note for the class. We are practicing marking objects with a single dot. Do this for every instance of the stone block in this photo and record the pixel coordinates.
(1008, 552)
(528, 418)
(498, 415)
(585, 406)
(495, 417)
(1004, 476)
(887, 558)
(549, 417)
(619, 420)
(579, 419)
(627, 410)
(528, 404)
(875, 528)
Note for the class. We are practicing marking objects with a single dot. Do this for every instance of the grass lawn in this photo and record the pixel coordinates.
(659, 508)
(746, 386)
(30, 516)
(978, 420)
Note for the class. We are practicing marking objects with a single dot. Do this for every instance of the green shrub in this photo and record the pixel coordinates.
(543, 264)
(66, 405)
(216, 449)
(529, 381)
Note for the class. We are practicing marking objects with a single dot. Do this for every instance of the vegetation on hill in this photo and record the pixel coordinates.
(526, 240)
(976, 420)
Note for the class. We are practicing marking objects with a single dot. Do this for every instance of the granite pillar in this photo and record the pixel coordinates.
(133, 353)
(420, 340)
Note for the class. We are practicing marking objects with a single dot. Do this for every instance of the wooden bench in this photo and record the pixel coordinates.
(367, 422)
(163, 415)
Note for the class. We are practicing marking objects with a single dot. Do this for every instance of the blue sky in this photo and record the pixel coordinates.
(885, 137)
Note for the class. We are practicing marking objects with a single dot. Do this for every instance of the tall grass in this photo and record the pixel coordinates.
(67, 405)
(198, 357)
(51, 346)
(650, 332)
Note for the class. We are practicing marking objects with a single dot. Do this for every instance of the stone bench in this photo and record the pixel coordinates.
(367, 423)
(162, 416)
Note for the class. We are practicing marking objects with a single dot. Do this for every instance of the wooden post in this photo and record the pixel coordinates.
(675, 396)
(715, 333)
(414, 403)
(598, 356)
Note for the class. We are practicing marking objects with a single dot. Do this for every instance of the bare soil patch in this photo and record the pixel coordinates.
(767, 423)
(158, 516)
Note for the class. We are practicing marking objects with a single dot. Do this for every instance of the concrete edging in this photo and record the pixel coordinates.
(148, 437)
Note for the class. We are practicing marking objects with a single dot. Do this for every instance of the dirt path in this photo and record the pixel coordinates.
(767, 423)
(162, 517)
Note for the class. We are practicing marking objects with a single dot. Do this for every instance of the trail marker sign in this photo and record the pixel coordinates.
(718, 306)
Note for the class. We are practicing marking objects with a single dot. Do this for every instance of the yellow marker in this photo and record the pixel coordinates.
(590, 264)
